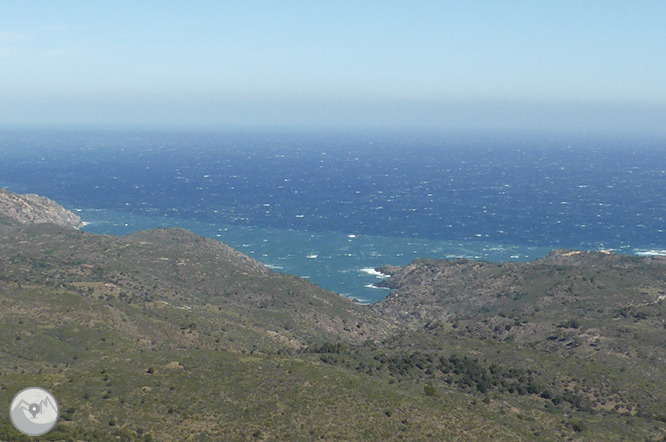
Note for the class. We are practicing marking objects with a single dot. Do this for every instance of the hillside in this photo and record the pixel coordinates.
(583, 330)
(167, 269)
(165, 335)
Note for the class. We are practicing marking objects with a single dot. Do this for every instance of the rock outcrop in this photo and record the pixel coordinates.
(34, 209)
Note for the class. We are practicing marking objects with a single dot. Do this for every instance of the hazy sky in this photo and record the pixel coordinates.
(404, 64)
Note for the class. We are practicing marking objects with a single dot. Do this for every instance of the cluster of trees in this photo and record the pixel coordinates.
(467, 373)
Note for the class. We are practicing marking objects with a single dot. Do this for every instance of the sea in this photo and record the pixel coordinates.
(332, 206)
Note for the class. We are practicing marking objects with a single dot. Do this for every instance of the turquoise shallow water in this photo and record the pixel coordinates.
(343, 263)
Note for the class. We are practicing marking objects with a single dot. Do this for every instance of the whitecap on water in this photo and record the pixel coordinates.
(373, 272)
(650, 252)
(372, 286)
(360, 300)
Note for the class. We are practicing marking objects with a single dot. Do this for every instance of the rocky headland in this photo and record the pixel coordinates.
(34, 209)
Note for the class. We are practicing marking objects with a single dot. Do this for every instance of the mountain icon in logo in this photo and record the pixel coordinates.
(34, 411)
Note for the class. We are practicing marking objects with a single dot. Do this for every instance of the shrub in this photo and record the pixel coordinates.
(430, 391)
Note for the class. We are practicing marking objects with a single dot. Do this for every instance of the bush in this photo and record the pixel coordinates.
(430, 391)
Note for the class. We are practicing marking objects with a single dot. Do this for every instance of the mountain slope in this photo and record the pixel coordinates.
(184, 271)
(165, 335)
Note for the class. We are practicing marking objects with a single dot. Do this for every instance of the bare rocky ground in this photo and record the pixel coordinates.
(34, 209)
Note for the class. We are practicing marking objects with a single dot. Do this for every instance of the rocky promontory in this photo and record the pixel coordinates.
(34, 209)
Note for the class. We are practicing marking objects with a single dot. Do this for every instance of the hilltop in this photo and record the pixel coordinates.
(166, 335)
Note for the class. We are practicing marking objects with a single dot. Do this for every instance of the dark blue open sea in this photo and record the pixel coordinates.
(331, 206)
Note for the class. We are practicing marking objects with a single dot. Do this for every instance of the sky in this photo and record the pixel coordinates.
(565, 65)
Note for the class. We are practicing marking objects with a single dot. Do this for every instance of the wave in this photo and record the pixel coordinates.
(362, 300)
(650, 252)
(373, 272)
(372, 286)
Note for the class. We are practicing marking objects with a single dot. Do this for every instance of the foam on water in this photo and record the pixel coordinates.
(640, 252)
(372, 286)
(373, 272)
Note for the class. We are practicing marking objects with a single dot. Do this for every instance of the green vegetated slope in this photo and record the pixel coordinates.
(579, 335)
(165, 335)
